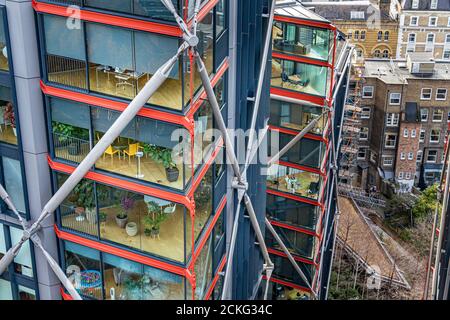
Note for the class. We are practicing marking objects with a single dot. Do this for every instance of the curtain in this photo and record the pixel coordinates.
(68, 112)
(109, 46)
(61, 40)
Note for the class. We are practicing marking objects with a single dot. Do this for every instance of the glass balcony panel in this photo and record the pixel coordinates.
(306, 152)
(143, 151)
(203, 269)
(203, 197)
(70, 129)
(65, 55)
(301, 40)
(129, 280)
(301, 77)
(83, 269)
(294, 181)
(285, 271)
(297, 117)
(145, 223)
(292, 212)
(78, 211)
(297, 243)
(4, 63)
(8, 129)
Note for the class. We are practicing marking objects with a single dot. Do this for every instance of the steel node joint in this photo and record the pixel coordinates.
(239, 185)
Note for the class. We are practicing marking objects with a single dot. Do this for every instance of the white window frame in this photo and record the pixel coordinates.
(364, 92)
(433, 4)
(423, 112)
(413, 133)
(432, 18)
(422, 136)
(366, 114)
(386, 141)
(400, 175)
(422, 93)
(444, 92)
(419, 156)
(391, 98)
(416, 18)
(428, 155)
(388, 161)
(415, 4)
(410, 156)
(435, 112)
(364, 131)
(434, 136)
(402, 156)
(408, 176)
(392, 119)
(405, 133)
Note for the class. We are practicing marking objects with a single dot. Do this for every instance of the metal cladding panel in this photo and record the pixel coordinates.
(248, 266)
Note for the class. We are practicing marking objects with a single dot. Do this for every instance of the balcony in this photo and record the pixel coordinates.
(81, 58)
(147, 150)
(297, 243)
(300, 77)
(294, 181)
(98, 275)
(296, 117)
(303, 41)
(145, 223)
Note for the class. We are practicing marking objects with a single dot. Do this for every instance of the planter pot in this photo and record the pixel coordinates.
(172, 174)
(91, 215)
(73, 149)
(121, 222)
(132, 229)
(80, 212)
(154, 233)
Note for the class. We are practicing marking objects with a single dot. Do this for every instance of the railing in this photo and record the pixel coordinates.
(70, 148)
(84, 222)
(66, 71)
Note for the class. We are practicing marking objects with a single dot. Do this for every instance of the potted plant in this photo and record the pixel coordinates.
(163, 156)
(153, 220)
(131, 229)
(85, 201)
(126, 204)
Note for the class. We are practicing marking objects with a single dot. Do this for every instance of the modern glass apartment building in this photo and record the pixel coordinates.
(309, 78)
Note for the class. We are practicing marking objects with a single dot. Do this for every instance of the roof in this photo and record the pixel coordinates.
(443, 5)
(396, 71)
(343, 10)
(292, 8)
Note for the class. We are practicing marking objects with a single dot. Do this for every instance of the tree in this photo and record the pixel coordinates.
(426, 203)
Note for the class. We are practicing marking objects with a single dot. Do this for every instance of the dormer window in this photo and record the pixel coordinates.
(356, 15)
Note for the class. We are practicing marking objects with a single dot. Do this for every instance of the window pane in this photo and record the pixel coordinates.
(300, 77)
(145, 150)
(301, 40)
(13, 182)
(5, 290)
(8, 132)
(297, 243)
(83, 269)
(65, 52)
(203, 202)
(4, 64)
(22, 262)
(78, 211)
(26, 293)
(291, 180)
(203, 270)
(70, 126)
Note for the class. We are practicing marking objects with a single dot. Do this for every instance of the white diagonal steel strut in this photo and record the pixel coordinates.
(296, 139)
(83, 168)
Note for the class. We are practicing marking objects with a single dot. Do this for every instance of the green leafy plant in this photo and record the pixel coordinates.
(85, 195)
(160, 155)
(154, 218)
(67, 131)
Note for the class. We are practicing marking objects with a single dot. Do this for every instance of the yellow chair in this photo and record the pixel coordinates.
(132, 150)
(111, 152)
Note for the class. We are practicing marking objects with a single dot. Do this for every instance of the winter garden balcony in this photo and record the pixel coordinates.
(296, 117)
(294, 181)
(82, 58)
(300, 77)
(147, 150)
(294, 213)
(298, 243)
(306, 41)
(145, 223)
